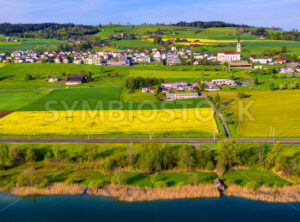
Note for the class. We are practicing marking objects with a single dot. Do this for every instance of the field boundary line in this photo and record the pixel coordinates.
(35, 100)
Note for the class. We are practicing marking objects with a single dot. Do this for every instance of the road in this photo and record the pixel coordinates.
(226, 129)
(140, 140)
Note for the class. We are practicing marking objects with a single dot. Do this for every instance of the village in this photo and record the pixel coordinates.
(172, 57)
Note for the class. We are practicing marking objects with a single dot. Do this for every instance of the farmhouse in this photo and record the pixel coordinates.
(230, 56)
(287, 70)
(176, 96)
(240, 64)
(224, 82)
(54, 79)
(148, 89)
(76, 80)
(173, 85)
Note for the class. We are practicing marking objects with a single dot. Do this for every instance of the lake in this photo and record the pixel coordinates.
(90, 208)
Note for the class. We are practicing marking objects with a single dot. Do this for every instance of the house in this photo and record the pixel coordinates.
(148, 89)
(287, 70)
(212, 88)
(172, 60)
(58, 60)
(280, 60)
(76, 80)
(173, 85)
(54, 79)
(219, 184)
(230, 56)
(254, 59)
(176, 96)
(118, 63)
(223, 82)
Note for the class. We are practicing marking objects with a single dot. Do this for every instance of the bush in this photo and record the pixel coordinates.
(43, 184)
(229, 182)
(252, 185)
(209, 165)
(180, 184)
(69, 181)
(29, 177)
(161, 184)
(97, 183)
(119, 178)
(194, 179)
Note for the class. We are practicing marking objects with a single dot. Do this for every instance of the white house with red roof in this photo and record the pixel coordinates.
(230, 56)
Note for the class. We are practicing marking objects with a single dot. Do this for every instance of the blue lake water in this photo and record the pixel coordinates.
(90, 208)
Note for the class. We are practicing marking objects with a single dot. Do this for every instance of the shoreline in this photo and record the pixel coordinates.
(134, 194)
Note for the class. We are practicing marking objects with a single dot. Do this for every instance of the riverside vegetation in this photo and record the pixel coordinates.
(152, 170)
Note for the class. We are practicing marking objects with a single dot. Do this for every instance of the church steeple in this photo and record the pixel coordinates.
(239, 46)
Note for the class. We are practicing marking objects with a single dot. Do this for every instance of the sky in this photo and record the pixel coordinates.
(266, 13)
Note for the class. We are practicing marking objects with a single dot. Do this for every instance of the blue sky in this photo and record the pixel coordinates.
(282, 13)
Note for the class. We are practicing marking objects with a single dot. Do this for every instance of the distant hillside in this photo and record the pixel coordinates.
(213, 24)
(47, 30)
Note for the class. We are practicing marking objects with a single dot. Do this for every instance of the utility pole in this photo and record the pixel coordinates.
(273, 134)
(214, 134)
(151, 134)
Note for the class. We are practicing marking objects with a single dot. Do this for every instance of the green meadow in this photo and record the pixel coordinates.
(102, 98)
(12, 100)
(27, 44)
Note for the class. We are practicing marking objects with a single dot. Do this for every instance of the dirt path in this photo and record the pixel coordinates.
(226, 129)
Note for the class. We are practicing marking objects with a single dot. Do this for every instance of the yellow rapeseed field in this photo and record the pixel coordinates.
(264, 112)
(108, 122)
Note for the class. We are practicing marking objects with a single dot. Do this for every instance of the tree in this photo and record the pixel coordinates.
(283, 49)
(217, 98)
(28, 77)
(16, 155)
(131, 157)
(227, 151)
(30, 155)
(187, 158)
(194, 179)
(29, 177)
(4, 154)
(274, 157)
(90, 79)
(256, 82)
(192, 58)
(108, 164)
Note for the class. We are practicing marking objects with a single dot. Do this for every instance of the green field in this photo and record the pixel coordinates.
(12, 100)
(89, 98)
(261, 177)
(134, 44)
(27, 44)
(12, 76)
(189, 76)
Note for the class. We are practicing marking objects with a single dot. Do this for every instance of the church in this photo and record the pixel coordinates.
(230, 56)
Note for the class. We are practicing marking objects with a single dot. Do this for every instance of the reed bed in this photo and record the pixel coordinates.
(133, 194)
(279, 195)
(54, 189)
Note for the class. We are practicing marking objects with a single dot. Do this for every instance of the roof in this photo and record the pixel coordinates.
(230, 52)
(76, 78)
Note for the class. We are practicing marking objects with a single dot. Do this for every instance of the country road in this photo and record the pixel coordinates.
(140, 140)
(226, 129)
